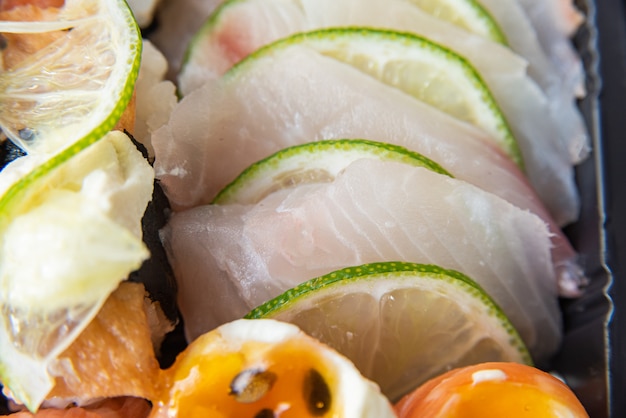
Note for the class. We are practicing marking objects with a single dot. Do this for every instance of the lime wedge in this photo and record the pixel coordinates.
(70, 232)
(467, 14)
(311, 163)
(400, 323)
(428, 71)
(76, 88)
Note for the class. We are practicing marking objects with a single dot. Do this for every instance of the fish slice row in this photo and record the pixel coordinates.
(493, 220)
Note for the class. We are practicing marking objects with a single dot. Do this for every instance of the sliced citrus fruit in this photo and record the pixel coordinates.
(490, 390)
(427, 71)
(468, 14)
(72, 88)
(264, 368)
(312, 162)
(400, 323)
(70, 232)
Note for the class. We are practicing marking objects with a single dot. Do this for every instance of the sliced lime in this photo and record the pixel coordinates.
(467, 14)
(312, 162)
(70, 232)
(400, 323)
(429, 72)
(75, 89)
(236, 30)
(238, 27)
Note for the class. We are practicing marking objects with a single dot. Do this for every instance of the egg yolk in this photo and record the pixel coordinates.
(288, 380)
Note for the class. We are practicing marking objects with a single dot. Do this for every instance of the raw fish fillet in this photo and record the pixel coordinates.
(298, 95)
(374, 211)
(551, 74)
(555, 22)
(247, 25)
(217, 131)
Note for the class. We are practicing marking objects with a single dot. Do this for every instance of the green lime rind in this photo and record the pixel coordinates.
(494, 30)
(290, 299)
(16, 195)
(79, 295)
(71, 101)
(408, 42)
(317, 151)
(481, 22)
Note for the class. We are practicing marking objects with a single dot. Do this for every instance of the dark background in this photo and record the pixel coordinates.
(611, 16)
(593, 358)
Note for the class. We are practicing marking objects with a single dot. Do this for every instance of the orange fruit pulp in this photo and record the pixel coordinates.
(288, 378)
(265, 368)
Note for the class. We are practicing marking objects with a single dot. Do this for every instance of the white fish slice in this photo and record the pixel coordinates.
(505, 21)
(555, 22)
(551, 73)
(374, 211)
(240, 27)
(297, 95)
(257, 113)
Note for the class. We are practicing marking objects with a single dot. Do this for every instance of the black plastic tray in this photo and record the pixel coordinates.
(593, 358)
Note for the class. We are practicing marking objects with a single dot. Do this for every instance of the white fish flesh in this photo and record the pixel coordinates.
(561, 85)
(555, 22)
(297, 96)
(253, 114)
(374, 211)
(244, 26)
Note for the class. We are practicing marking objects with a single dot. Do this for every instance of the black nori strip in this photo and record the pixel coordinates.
(156, 273)
(9, 152)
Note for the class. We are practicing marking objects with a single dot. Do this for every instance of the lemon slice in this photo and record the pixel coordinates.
(70, 232)
(312, 162)
(400, 323)
(265, 368)
(467, 14)
(76, 88)
(428, 71)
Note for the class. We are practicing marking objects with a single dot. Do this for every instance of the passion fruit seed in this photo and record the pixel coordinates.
(316, 393)
(251, 385)
(265, 413)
